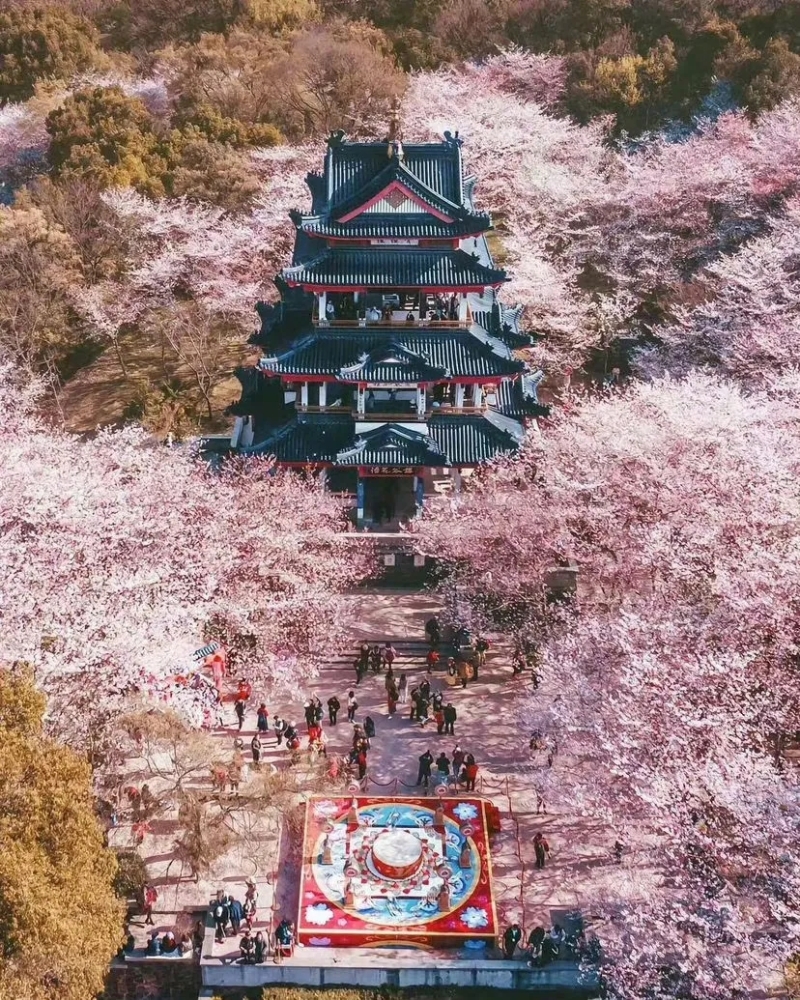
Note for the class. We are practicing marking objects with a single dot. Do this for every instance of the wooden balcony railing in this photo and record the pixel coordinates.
(452, 324)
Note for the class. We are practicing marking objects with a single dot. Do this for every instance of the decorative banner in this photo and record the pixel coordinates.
(200, 654)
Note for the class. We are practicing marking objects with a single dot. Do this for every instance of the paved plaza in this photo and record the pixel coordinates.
(491, 725)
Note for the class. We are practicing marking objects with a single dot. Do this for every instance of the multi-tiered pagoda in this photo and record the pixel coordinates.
(389, 362)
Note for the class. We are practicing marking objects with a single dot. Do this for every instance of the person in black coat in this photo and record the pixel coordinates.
(259, 948)
(450, 716)
(425, 764)
(333, 709)
(511, 939)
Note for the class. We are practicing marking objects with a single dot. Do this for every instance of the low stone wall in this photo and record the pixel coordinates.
(483, 975)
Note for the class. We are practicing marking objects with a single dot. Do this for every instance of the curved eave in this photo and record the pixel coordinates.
(329, 287)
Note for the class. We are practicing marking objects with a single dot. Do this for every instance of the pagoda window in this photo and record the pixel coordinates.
(459, 397)
(322, 305)
(477, 396)
(463, 308)
(420, 401)
(304, 394)
(444, 394)
(340, 395)
(361, 400)
(322, 395)
(313, 394)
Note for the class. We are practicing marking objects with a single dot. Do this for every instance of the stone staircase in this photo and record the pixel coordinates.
(411, 654)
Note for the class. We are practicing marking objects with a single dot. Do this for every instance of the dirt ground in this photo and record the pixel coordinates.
(97, 394)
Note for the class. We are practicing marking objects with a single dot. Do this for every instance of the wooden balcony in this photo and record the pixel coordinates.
(453, 324)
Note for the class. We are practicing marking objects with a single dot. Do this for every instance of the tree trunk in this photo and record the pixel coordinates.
(120, 359)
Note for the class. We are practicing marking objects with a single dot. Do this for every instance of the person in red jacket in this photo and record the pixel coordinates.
(541, 849)
(470, 772)
(431, 660)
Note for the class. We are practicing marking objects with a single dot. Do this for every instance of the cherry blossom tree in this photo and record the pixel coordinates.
(749, 321)
(226, 262)
(534, 169)
(674, 670)
(579, 217)
(118, 555)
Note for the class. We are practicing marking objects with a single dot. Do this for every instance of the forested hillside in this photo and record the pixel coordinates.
(149, 153)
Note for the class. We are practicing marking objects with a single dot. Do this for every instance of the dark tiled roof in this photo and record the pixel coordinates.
(468, 440)
(317, 437)
(504, 325)
(392, 445)
(391, 268)
(519, 399)
(397, 355)
(410, 227)
(331, 439)
(354, 165)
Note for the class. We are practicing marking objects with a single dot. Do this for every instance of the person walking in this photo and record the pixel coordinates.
(541, 849)
(438, 716)
(333, 709)
(352, 705)
(424, 773)
(389, 680)
(361, 761)
(431, 661)
(443, 767)
(433, 631)
(255, 750)
(414, 704)
(280, 728)
(391, 699)
(150, 900)
(369, 728)
(239, 709)
(262, 719)
(462, 669)
(358, 670)
(449, 715)
(481, 649)
(511, 939)
(389, 654)
(402, 689)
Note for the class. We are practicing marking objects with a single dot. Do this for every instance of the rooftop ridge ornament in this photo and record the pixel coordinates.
(394, 144)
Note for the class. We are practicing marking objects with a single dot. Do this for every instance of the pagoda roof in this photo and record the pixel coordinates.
(503, 324)
(520, 399)
(417, 192)
(370, 225)
(392, 444)
(400, 354)
(323, 438)
(350, 166)
(355, 269)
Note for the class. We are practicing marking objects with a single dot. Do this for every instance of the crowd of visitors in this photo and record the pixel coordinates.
(428, 705)
(233, 918)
